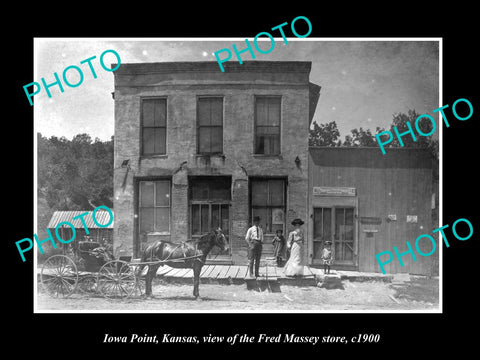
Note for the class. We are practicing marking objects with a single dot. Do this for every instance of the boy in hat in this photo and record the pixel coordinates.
(254, 239)
(327, 256)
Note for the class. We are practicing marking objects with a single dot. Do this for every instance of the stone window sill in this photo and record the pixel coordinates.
(261, 156)
(158, 156)
(211, 155)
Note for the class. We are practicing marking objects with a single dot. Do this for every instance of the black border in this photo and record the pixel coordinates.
(408, 334)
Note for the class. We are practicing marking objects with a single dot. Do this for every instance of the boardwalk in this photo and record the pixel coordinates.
(219, 272)
(230, 274)
(238, 274)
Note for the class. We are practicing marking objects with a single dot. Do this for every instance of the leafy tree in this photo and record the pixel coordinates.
(328, 134)
(76, 174)
(361, 137)
(400, 121)
(324, 135)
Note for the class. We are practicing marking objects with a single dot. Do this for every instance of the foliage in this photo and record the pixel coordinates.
(324, 135)
(75, 174)
(361, 137)
(328, 135)
(400, 122)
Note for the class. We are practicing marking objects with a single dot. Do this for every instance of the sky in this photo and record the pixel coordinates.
(363, 83)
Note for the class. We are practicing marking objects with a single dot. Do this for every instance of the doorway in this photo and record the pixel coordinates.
(335, 224)
(209, 203)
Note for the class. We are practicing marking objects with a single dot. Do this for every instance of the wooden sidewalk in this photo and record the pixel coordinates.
(238, 274)
(233, 274)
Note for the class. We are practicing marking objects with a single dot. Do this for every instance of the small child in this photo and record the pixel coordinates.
(327, 257)
(279, 246)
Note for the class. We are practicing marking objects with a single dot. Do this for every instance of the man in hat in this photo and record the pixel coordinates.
(254, 239)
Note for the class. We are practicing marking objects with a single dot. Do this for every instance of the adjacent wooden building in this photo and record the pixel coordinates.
(102, 235)
(366, 203)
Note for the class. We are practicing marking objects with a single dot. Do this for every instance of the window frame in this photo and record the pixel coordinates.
(209, 204)
(198, 126)
(142, 150)
(269, 207)
(336, 236)
(256, 97)
(169, 206)
(333, 232)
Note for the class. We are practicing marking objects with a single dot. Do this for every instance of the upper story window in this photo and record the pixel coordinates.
(154, 126)
(267, 125)
(210, 125)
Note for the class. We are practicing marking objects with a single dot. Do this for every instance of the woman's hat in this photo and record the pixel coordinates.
(298, 222)
(328, 242)
(256, 218)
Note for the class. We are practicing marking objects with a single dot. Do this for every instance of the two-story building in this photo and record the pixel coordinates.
(197, 148)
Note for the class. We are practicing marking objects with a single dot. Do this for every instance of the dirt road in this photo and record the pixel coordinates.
(167, 297)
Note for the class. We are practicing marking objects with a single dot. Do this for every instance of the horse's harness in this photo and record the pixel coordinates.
(196, 257)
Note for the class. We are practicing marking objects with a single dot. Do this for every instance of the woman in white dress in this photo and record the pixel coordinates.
(294, 266)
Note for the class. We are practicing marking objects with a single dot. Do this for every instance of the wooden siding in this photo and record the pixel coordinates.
(401, 186)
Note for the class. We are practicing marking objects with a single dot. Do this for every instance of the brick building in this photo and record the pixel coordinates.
(196, 148)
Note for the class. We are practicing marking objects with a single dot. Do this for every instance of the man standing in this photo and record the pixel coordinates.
(254, 239)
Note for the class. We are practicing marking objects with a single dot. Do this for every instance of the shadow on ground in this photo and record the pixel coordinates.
(424, 290)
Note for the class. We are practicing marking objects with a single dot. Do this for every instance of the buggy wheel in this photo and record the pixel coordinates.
(116, 279)
(87, 284)
(59, 276)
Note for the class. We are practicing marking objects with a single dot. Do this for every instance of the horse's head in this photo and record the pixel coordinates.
(220, 240)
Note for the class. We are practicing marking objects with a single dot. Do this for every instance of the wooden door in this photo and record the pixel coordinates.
(335, 224)
(322, 231)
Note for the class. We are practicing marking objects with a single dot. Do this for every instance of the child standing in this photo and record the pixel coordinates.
(279, 246)
(327, 257)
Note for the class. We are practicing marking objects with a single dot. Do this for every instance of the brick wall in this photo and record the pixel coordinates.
(181, 90)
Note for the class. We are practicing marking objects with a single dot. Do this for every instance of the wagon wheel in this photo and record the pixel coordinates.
(87, 284)
(59, 276)
(116, 279)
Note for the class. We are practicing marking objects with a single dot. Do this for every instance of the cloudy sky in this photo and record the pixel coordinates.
(363, 82)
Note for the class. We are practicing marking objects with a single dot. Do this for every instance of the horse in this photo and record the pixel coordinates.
(189, 254)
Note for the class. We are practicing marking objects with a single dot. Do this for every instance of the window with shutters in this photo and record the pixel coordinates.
(210, 125)
(154, 126)
(267, 125)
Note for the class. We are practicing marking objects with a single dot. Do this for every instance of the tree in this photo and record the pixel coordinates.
(76, 174)
(324, 135)
(328, 134)
(361, 137)
(400, 122)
